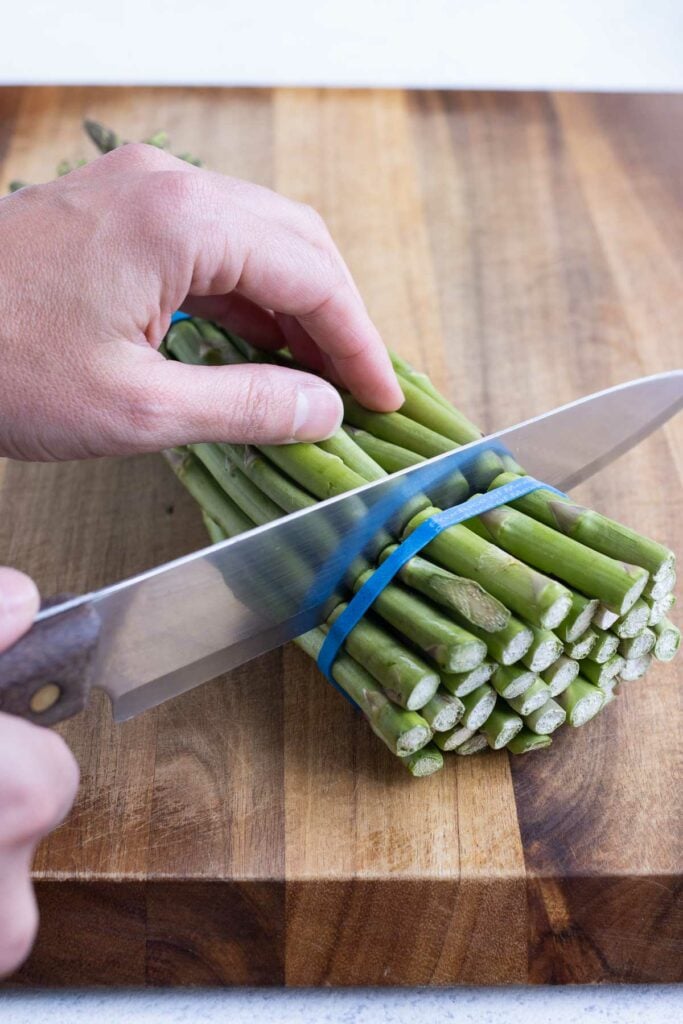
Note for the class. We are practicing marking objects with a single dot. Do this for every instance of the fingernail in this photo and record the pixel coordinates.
(319, 412)
(18, 594)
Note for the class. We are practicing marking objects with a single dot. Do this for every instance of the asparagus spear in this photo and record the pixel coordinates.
(403, 675)
(639, 645)
(452, 739)
(581, 701)
(532, 699)
(472, 745)
(512, 681)
(506, 646)
(478, 706)
(456, 593)
(616, 584)
(605, 646)
(352, 455)
(403, 731)
(443, 711)
(424, 762)
(547, 718)
(525, 741)
(545, 649)
(633, 622)
(407, 372)
(659, 609)
(501, 726)
(598, 674)
(536, 598)
(593, 529)
(461, 683)
(582, 647)
(391, 457)
(661, 586)
(668, 640)
(560, 674)
(579, 619)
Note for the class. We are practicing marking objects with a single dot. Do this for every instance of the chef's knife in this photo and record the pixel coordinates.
(159, 634)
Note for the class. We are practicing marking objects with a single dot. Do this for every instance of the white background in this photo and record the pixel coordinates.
(576, 44)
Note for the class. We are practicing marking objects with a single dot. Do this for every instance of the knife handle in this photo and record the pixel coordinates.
(45, 675)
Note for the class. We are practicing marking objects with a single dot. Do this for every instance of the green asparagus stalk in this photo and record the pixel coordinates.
(443, 711)
(545, 649)
(512, 681)
(540, 600)
(451, 647)
(353, 456)
(593, 530)
(391, 457)
(279, 488)
(403, 731)
(405, 678)
(216, 534)
(532, 699)
(582, 647)
(605, 646)
(546, 719)
(668, 640)
(472, 745)
(581, 701)
(424, 762)
(501, 726)
(506, 646)
(461, 683)
(525, 741)
(633, 622)
(451, 740)
(206, 492)
(639, 645)
(407, 372)
(579, 619)
(478, 706)
(616, 584)
(560, 674)
(598, 674)
(457, 593)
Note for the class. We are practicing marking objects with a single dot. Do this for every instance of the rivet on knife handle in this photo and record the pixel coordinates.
(45, 675)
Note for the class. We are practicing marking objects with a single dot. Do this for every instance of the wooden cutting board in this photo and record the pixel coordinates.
(524, 250)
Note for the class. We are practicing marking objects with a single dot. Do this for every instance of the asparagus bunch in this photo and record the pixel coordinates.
(503, 630)
(457, 653)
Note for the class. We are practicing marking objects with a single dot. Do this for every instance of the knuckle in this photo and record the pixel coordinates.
(314, 220)
(260, 400)
(144, 416)
(139, 156)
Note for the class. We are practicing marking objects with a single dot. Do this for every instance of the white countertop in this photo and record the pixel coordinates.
(567, 1005)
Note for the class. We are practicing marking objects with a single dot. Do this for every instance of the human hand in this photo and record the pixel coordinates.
(38, 782)
(93, 265)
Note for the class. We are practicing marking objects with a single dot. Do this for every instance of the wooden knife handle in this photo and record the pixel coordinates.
(45, 675)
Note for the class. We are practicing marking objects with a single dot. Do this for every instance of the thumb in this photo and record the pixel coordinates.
(19, 602)
(243, 404)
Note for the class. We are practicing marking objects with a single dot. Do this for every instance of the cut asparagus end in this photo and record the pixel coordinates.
(582, 647)
(511, 680)
(545, 649)
(581, 701)
(606, 646)
(546, 719)
(634, 622)
(598, 674)
(411, 740)
(660, 609)
(461, 683)
(604, 617)
(501, 726)
(525, 741)
(668, 640)
(478, 706)
(473, 745)
(639, 645)
(443, 711)
(635, 668)
(661, 586)
(560, 674)
(579, 619)
(532, 699)
(453, 739)
(422, 692)
(424, 762)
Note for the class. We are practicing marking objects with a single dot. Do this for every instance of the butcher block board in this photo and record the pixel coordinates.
(524, 250)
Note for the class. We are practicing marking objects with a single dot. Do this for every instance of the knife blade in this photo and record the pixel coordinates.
(172, 628)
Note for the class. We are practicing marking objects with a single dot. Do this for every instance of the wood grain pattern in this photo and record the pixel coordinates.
(524, 249)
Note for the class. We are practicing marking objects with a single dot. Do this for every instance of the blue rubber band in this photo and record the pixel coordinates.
(175, 317)
(407, 549)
